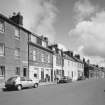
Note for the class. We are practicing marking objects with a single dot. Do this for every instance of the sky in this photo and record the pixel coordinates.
(77, 25)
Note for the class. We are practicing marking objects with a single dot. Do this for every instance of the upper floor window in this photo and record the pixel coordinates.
(34, 55)
(17, 33)
(44, 44)
(48, 58)
(39, 41)
(17, 52)
(58, 60)
(42, 57)
(1, 26)
(33, 39)
(1, 49)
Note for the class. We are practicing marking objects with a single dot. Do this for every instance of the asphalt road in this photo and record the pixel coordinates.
(88, 92)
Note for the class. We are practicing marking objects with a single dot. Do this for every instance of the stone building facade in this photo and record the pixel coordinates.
(40, 59)
(22, 52)
(58, 63)
(13, 48)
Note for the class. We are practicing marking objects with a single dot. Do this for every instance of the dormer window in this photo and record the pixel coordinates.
(33, 39)
(44, 44)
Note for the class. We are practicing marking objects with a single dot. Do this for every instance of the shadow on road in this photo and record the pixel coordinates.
(12, 89)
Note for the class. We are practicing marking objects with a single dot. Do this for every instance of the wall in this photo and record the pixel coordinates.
(9, 60)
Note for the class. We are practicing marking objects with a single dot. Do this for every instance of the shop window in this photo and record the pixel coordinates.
(2, 70)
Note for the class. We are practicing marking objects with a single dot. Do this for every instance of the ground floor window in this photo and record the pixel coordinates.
(2, 70)
(17, 70)
(47, 78)
(35, 75)
(60, 72)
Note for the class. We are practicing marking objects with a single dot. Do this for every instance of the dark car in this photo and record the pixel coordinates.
(81, 78)
(65, 79)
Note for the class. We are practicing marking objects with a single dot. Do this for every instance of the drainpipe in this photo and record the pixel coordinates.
(28, 55)
(62, 61)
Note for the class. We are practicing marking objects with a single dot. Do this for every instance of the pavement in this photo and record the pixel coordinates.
(47, 83)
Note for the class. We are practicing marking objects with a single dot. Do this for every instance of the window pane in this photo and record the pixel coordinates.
(44, 44)
(48, 58)
(33, 39)
(17, 33)
(39, 41)
(2, 70)
(42, 57)
(34, 55)
(17, 52)
(17, 71)
(1, 49)
(1, 26)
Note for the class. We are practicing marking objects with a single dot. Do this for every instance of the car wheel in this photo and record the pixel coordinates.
(19, 87)
(35, 85)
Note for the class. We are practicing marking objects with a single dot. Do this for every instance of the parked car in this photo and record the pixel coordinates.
(20, 83)
(65, 79)
(81, 78)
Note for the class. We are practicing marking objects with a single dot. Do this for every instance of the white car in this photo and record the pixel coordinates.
(20, 83)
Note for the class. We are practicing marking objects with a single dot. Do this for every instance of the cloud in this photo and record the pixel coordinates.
(84, 9)
(39, 16)
(88, 36)
(97, 60)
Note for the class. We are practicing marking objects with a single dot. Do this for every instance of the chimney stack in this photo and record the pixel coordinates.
(69, 53)
(77, 56)
(17, 18)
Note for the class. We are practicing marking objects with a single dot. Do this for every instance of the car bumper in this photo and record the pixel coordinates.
(10, 86)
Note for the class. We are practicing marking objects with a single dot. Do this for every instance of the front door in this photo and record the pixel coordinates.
(25, 72)
(42, 74)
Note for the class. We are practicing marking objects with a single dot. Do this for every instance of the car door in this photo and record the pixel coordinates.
(29, 83)
(23, 82)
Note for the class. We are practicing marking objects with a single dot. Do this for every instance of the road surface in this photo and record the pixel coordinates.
(88, 92)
